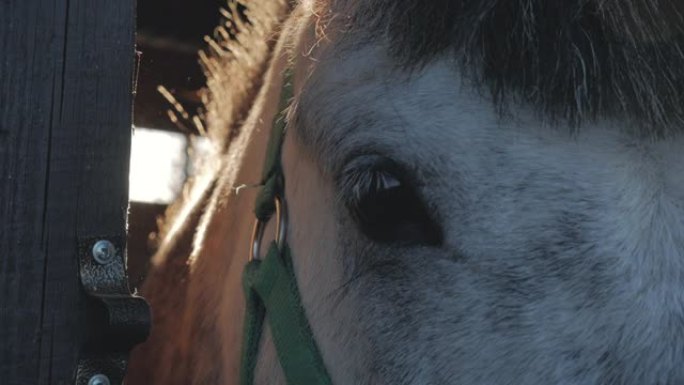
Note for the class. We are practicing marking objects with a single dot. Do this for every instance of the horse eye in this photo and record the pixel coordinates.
(386, 207)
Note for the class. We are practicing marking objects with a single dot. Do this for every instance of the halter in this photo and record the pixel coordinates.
(270, 285)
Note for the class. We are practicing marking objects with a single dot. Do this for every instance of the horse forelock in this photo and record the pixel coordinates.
(573, 60)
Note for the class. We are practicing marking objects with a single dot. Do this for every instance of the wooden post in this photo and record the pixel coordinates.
(66, 72)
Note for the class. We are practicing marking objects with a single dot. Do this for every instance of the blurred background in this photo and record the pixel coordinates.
(165, 142)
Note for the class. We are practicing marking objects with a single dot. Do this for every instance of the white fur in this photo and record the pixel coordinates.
(563, 259)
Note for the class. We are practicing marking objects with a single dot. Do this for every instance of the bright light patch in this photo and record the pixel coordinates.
(158, 165)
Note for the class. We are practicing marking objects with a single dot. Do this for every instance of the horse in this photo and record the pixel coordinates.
(479, 192)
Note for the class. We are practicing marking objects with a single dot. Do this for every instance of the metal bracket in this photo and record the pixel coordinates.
(117, 320)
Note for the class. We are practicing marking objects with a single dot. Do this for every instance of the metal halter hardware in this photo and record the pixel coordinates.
(260, 227)
(269, 282)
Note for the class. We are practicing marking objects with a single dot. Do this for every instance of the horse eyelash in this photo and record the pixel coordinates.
(364, 173)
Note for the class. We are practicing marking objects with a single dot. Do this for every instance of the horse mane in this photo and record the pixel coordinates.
(234, 62)
(572, 60)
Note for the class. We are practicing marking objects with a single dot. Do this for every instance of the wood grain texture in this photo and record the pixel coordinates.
(65, 115)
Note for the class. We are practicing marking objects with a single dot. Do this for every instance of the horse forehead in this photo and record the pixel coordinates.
(361, 98)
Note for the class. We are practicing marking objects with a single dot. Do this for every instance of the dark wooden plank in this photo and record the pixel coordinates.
(65, 114)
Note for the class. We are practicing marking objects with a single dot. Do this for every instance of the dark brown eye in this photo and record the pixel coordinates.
(385, 205)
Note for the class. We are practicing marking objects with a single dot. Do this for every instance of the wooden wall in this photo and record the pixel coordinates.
(66, 75)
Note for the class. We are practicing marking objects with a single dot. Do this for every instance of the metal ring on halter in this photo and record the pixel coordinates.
(260, 226)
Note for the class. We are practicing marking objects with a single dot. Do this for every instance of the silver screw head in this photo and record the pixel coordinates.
(103, 252)
(99, 379)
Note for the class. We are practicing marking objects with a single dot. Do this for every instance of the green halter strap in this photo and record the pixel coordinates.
(270, 284)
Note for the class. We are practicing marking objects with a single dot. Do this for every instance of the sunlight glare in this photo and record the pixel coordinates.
(158, 165)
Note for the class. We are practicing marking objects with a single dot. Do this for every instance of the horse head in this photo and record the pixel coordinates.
(478, 192)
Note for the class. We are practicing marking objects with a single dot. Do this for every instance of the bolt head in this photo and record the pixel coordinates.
(103, 252)
(99, 379)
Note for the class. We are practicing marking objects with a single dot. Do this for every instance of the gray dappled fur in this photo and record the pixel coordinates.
(562, 259)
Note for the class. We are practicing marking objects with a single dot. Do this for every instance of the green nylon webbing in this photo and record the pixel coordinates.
(271, 287)
(271, 290)
(271, 176)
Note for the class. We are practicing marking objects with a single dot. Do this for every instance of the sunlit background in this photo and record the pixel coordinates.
(159, 165)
